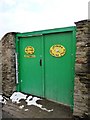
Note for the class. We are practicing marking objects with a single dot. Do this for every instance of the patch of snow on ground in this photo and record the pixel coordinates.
(32, 101)
(2, 100)
(26, 110)
(21, 107)
(17, 96)
(6, 98)
(47, 109)
(28, 99)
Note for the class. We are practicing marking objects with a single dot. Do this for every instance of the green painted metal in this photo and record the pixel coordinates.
(54, 79)
(30, 71)
(58, 71)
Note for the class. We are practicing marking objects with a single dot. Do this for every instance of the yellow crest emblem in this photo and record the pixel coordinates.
(29, 50)
(57, 50)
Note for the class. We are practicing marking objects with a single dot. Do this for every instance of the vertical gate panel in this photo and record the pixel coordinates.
(58, 70)
(30, 71)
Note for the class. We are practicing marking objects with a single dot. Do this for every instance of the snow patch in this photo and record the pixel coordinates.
(21, 107)
(6, 98)
(28, 99)
(26, 110)
(2, 100)
(17, 96)
(33, 101)
(47, 109)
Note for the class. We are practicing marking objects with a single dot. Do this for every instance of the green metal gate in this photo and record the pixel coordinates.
(45, 63)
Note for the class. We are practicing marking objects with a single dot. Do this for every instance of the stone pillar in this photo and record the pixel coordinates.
(0, 78)
(82, 69)
(0, 67)
(8, 64)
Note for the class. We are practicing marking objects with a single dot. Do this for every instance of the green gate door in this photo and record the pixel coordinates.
(46, 63)
(30, 66)
(58, 69)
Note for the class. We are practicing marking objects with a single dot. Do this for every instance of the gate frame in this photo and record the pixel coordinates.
(43, 32)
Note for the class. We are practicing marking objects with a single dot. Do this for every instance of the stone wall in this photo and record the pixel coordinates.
(82, 70)
(0, 67)
(8, 64)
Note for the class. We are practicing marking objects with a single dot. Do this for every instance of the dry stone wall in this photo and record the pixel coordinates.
(0, 67)
(8, 64)
(82, 69)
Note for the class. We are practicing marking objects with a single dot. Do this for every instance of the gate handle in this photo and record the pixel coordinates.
(40, 62)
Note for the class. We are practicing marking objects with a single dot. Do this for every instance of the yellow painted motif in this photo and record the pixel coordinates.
(29, 56)
(57, 50)
(29, 50)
